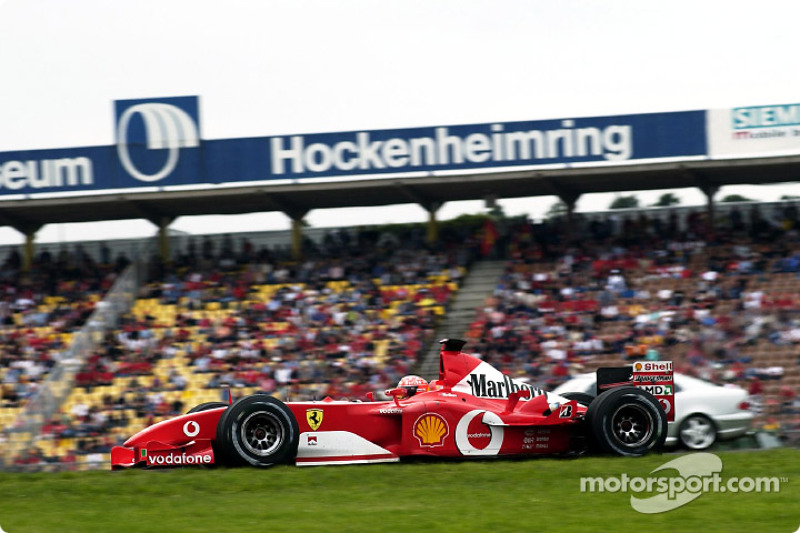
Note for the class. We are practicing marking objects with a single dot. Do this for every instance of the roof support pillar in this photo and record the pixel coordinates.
(28, 252)
(297, 238)
(710, 190)
(570, 199)
(163, 239)
(29, 229)
(432, 236)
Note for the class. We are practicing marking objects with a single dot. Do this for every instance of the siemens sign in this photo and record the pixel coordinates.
(158, 143)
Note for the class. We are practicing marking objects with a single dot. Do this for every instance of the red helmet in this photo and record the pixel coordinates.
(413, 385)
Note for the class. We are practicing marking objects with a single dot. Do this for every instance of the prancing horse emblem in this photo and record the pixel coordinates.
(314, 418)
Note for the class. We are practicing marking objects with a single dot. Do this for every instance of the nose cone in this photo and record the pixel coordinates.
(180, 430)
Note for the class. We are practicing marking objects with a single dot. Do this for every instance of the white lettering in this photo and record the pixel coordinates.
(339, 160)
(294, 154)
(445, 141)
(617, 142)
(14, 175)
(477, 148)
(178, 459)
(291, 155)
(417, 146)
(318, 157)
(395, 152)
(368, 152)
(44, 173)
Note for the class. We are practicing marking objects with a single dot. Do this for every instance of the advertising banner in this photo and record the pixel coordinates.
(770, 130)
(158, 143)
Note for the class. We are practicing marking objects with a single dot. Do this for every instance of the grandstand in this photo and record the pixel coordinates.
(333, 325)
(354, 317)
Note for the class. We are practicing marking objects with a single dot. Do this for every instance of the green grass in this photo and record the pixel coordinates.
(494, 496)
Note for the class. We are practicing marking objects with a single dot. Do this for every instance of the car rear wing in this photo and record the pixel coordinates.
(654, 377)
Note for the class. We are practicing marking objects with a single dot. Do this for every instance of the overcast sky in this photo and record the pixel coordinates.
(267, 67)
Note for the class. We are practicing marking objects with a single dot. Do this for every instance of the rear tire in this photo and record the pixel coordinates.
(627, 421)
(258, 430)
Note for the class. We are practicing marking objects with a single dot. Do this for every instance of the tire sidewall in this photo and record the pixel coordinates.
(602, 410)
(229, 431)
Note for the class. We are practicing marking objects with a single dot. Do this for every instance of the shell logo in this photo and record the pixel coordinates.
(637, 367)
(431, 429)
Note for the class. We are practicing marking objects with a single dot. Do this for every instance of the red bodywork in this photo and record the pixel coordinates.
(477, 412)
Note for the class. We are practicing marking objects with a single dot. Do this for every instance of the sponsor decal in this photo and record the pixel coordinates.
(312, 440)
(771, 116)
(660, 366)
(191, 428)
(657, 390)
(430, 430)
(475, 437)
(143, 453)
(536, 439)
(652, 378)
(314, 418)
(667, 405)
(390, 411)
(448, 394)
(565, 412)
(178, 459)
(485, 387)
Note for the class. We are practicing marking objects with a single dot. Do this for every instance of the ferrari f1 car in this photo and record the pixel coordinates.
(473, 410)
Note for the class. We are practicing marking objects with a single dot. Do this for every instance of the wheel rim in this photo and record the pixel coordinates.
(632, 425)
(262, 434)
(697, 433)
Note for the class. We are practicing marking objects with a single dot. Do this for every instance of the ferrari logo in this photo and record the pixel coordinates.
(314, 418)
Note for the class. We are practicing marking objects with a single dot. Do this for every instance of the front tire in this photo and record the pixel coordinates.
(697, 432)
(258, 430)
(627, 421)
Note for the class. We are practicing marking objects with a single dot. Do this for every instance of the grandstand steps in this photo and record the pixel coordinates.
(478, 285)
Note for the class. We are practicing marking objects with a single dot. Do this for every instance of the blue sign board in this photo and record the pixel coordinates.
(158, 143)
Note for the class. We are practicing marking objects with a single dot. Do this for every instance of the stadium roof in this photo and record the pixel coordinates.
(297, 199)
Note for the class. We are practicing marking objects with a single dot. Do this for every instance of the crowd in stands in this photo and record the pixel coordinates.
(352, 316)
(359, 309)
(41, 308)
(724, 304)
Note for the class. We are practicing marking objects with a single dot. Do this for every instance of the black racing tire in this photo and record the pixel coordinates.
(697, 432)
(627, 421)
(206, 406)
(257, 430)
(583, 398)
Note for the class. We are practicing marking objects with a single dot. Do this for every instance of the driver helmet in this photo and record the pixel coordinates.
(413, 384)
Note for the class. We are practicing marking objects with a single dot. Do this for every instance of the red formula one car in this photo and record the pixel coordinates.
(473, 410)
